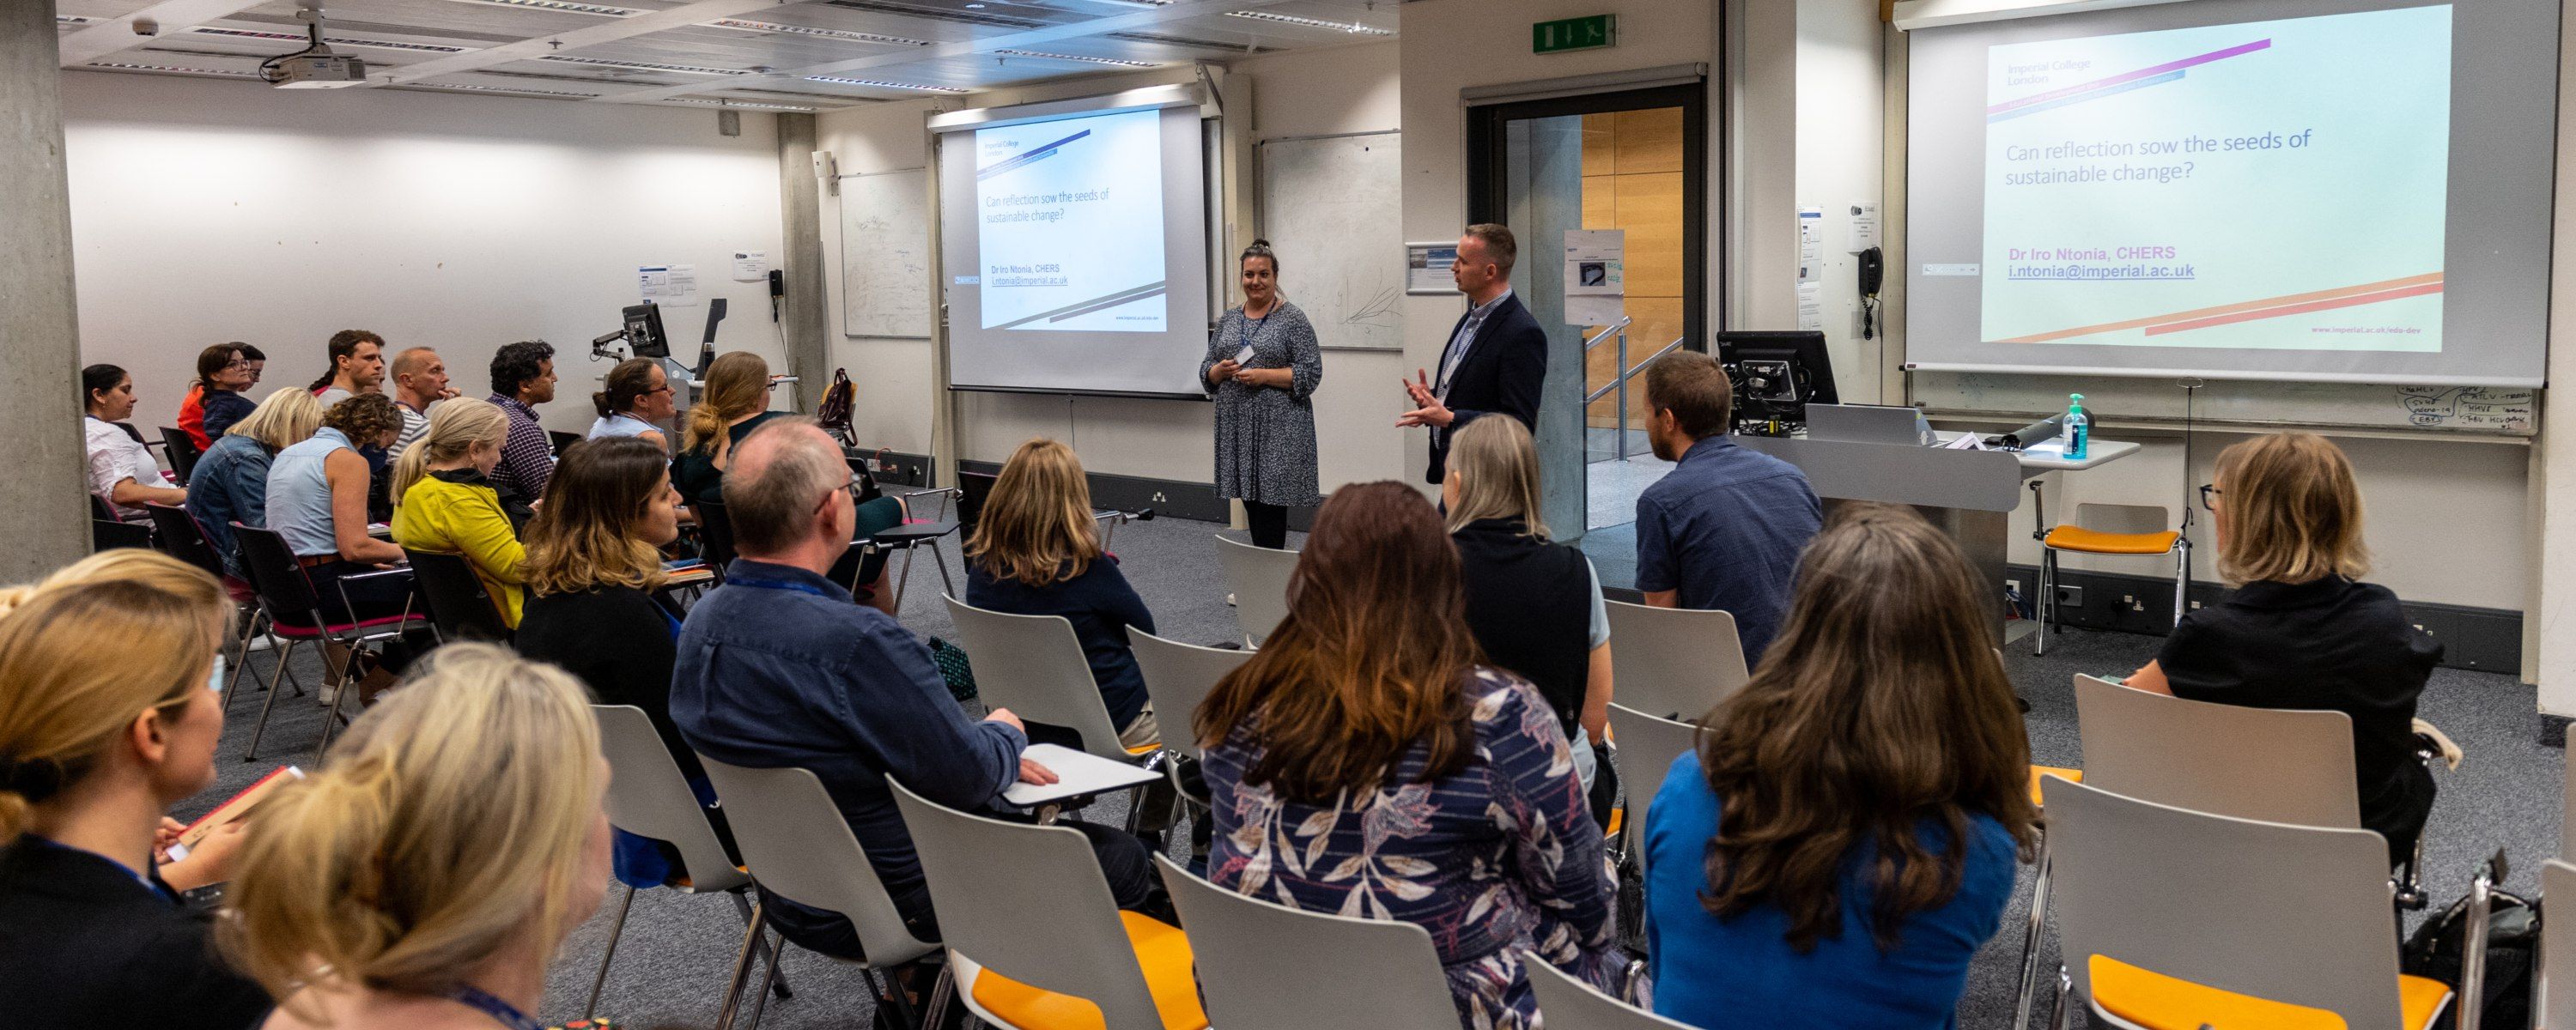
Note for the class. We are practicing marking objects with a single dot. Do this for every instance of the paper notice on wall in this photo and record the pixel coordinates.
(750, 266)
(1811, 305)
(1811, 244)
(671, 286)
(1864, 226)
(1596, 276)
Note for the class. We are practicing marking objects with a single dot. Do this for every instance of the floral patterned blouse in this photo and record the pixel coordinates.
(1498, 858)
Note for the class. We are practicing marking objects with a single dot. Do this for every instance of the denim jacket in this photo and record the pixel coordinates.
(230, 485)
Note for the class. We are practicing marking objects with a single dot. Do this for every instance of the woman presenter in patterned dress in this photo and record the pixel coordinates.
(1262, 368)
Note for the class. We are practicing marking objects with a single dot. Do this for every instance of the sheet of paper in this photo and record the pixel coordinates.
(1811, 245)
(1811, 305)
(750, 266)
(1864, 226)
(1077, 773)
(671, 286)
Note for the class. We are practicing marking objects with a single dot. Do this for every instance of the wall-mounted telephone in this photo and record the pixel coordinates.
(1873, 274)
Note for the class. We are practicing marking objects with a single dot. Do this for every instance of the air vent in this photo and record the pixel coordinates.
(511, 90)
(563, 6)
(289, 37)
(168, 69)
(747, 25)
(642, 65)
(881, 84)
(537, 76)
(1301, 21)
(806, 98)
(1181, 41)
(381, 28)
(932, 14)
(739, 105)
(1074, 57)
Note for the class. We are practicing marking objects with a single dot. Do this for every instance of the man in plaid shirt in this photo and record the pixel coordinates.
(523, 376)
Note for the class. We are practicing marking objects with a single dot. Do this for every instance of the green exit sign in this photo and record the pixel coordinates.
(1586, 33)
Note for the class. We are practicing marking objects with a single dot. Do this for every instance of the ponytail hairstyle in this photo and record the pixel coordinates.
(1261, 249)
(343, 344)
(737, 385)
(455, 818)
(627, 383)
(62, 704)
(458, 426)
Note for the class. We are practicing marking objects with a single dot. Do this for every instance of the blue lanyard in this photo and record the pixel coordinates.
(1252, 325)
(502, 1012)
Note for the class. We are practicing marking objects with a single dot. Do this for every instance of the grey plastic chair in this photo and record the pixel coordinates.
(1565, 1003)
(1029, 903)
(1647, 747)
(2275, 765)
(2567, 820)
(1378, 972)
(1034, 666)
(648, 797)
(2557, 986)
(2292, 914)
(798, 846)
(1179, 677)
(1258, 576)
(1676, 663)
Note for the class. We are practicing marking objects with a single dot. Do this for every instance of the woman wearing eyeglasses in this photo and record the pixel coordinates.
(637, 399)
(2302, 631)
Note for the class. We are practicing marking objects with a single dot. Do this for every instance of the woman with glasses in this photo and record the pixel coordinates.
(2302, 631)
(637, 399)
(215, 400)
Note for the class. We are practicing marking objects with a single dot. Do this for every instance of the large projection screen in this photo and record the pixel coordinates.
(1074, 250)
(2249, 189)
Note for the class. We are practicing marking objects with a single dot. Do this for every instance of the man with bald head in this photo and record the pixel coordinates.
(420, 380)
(780, 668)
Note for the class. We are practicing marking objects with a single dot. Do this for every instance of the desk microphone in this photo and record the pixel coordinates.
(2035, 433)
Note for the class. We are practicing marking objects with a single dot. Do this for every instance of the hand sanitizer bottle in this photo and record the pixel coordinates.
(2079, 428)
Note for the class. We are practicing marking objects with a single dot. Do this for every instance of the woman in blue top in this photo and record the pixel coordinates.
(1036, 551)
(1845, 836)
(231, 480)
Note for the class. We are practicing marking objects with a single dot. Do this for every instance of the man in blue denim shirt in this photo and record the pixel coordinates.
(1723, 529)
(779, 668)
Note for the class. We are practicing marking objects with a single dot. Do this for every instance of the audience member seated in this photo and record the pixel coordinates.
(357, 359)
(637, 397)
(735, 402)
(93, 928)
(1534, 605)
(426, 873)
(593, 574)
(2301, 630)
(317, 501)
(779, 668)
(523, 376)
(1362, 763)
(1846, 834)
(420, 381)
(258, 363)
(122, 471)
(231, 483)
(444, 502)
(215, 400)
(1723, 529)
(1036, 551)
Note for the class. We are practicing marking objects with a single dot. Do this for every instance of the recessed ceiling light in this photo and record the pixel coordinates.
(644, 65)
(129, 66)
(886, 85)
(741, 104)
(73, 19)
(500, 89)
(1312, 23)
(809, 30)
(293, 37)
(1074, 57)
(565, 6)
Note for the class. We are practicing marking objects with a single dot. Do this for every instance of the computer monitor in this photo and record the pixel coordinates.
(1777, 374)
(644, 334)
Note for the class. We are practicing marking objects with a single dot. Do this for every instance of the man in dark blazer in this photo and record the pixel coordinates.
(1497, 355)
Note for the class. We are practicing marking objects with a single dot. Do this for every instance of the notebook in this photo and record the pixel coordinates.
(1077, 773)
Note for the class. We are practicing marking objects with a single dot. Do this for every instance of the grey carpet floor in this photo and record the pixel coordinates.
(676, 951)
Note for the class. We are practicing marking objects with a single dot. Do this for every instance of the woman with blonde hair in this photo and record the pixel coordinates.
(230, 483)
(1036, 551)
(2302, 630)
(427, 873)
(736, 401)
(92, 753)
(444, 499)
(1535, 605)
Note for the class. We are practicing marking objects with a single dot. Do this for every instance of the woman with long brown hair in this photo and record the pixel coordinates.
(1845, 835)
(1036, 551)
(1364, 762)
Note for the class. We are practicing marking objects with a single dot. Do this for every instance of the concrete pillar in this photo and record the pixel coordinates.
(46, 521)
(800, 203)
(1546, 199)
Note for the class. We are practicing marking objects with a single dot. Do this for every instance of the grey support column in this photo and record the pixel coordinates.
(44, 521)
(800, 210)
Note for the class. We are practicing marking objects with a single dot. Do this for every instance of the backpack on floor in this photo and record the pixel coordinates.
(2513, 944)
(953, 669)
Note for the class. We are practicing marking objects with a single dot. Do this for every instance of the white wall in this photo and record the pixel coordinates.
(1841, 157)
(205, 211)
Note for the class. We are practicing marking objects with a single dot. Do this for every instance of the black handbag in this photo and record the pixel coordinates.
(2437, 950)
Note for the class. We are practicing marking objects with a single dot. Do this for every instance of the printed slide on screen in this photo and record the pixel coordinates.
(2270, 185)
(1070, 223)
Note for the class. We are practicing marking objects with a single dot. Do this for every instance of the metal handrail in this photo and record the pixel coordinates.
(1595, 339)
(1627, 372)
(1640, 367)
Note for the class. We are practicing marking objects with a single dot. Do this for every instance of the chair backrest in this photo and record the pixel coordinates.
(2567, 822)
(182, 538)
(2295, 914)
(2276, 765)
(284, 590)
(973, 488)
(648, 797)
(798, 846)
(99, 509)
(1380, 972)
(1179, 677)
(109, 534)
(183, 451)
(1030, 903)
(715, 527)
(458, 604)
(562, 440)
(2123, 518)
(1676, 662)
(1034, 666)
(1565, 1003)
(1258, 577)
(1648, 744)
(2557, 1007)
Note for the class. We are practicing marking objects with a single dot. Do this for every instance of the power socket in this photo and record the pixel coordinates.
(2070, 597)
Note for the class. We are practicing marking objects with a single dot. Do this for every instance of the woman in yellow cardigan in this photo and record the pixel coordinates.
(442, 502)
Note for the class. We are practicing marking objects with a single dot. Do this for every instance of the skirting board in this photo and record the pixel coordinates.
(2482, 639)
(1169, 498)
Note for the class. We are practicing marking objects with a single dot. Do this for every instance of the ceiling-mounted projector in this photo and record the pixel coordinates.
(315, 66)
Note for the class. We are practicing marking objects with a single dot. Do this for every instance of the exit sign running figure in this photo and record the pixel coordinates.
(1586, 33)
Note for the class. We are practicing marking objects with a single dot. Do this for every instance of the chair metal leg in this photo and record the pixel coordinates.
(942, 561)
(943, 989)
(345, 685)
(2065, 999)
(284, 652)
(615, 931)
(904, 1015)
(760, 998)
(742, 905)
(2182, 577)
(903, 579)
(2045, 605)
(2030, 941)
(741, 969)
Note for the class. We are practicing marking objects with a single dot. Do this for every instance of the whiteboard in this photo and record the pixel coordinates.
(1331, 207)
(2493, 411)
(885, 254)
